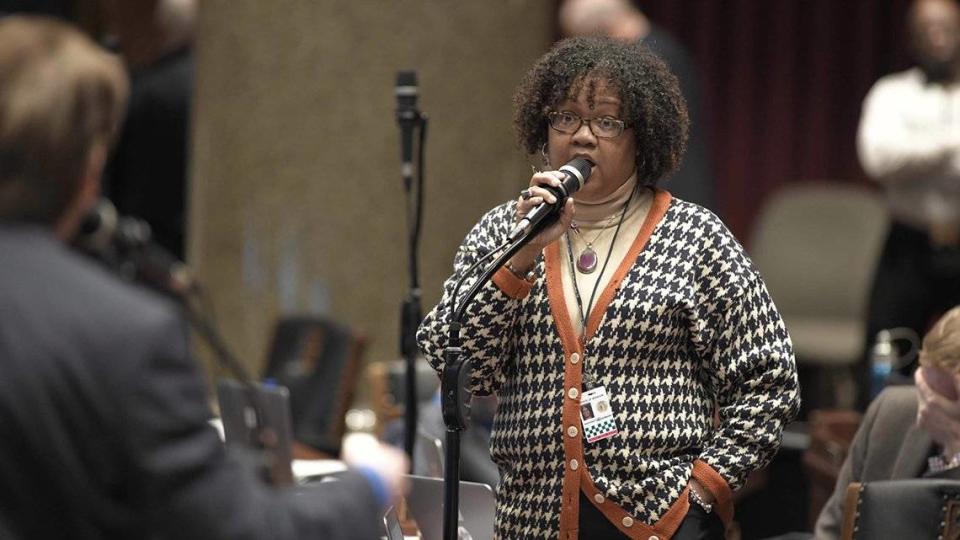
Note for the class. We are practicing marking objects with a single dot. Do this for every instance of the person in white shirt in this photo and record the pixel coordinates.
(909, 142)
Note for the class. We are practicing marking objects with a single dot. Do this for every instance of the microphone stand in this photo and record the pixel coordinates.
(203, 326)
(411, 311)
(454, 399)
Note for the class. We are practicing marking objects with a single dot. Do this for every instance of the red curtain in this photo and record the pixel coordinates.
(782, 83)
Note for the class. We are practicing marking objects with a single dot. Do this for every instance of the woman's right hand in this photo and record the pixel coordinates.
(524, 259)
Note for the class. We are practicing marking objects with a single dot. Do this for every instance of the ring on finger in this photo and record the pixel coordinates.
(526, 194)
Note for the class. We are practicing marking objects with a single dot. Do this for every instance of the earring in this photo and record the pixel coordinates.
(543, 155)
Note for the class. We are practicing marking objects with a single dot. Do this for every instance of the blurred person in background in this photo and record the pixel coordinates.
(104, 421)
(146, 173)
(642, 300)
(620, 19)
(909, 142)
(908, 432)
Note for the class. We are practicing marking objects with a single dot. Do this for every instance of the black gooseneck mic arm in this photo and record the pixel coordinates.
(125, 246)
(277, 471)
(411, 121)
(454, 397)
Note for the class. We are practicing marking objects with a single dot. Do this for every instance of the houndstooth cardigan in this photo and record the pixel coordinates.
(684, 333)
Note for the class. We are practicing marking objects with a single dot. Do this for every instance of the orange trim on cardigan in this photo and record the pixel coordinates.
(558, 303)
(575, 480)
(663, 529)
(658, 209)
(572, 378)
(510, 284)
(711, 480)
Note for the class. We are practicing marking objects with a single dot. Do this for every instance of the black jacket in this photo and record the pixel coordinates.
(104, 421)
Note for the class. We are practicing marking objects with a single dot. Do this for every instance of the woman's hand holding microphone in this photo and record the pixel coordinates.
(523, 261)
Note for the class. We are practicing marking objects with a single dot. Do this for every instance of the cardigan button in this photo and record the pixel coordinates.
(574, 358)
(572, 431)
(654, 537)
(574, 464)
(627, 521)
(573, 393)
(598, 498)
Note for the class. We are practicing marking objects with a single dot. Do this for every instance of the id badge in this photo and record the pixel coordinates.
(596, 415)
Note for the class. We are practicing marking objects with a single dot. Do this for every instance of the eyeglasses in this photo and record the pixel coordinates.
(605, 127)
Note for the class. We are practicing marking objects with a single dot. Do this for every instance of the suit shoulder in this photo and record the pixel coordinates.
(117, 297)
(44, 277)
(895, 407)
(899, 394)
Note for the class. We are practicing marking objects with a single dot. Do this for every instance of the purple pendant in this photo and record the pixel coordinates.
(587, 261)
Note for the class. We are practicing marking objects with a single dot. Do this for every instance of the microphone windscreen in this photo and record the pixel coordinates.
(584, 166)
(98, 226)
(406, 83)
(578, 171)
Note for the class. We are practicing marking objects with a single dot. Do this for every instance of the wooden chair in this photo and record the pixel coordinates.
(898, 509)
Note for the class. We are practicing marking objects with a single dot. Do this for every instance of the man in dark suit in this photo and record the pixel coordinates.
(908, 431)
(103, 415)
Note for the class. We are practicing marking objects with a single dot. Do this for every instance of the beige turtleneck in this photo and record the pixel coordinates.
(597, 222)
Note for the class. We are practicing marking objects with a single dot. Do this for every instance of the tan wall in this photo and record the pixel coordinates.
(296, 201)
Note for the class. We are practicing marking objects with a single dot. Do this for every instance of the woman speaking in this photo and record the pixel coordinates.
(641, 367)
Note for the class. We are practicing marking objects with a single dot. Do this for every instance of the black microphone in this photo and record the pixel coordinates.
(575, 173)
(158, 268)
(126, 244)
(407, 116)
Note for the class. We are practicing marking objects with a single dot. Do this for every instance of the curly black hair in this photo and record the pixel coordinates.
(650, 97)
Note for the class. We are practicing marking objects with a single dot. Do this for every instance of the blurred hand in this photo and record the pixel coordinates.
(364, 450)
(940, 380)
(525, 258)
(938, 414)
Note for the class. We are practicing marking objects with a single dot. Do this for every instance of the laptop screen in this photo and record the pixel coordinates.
(258, 417)
(392, 524)
(425, 501)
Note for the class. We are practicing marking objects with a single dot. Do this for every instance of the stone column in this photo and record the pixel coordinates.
(296, 203)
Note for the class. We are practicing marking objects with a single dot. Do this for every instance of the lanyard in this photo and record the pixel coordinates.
(606, 260)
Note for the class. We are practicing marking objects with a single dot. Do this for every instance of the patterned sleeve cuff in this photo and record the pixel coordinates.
(711, 480)
(511, 285)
